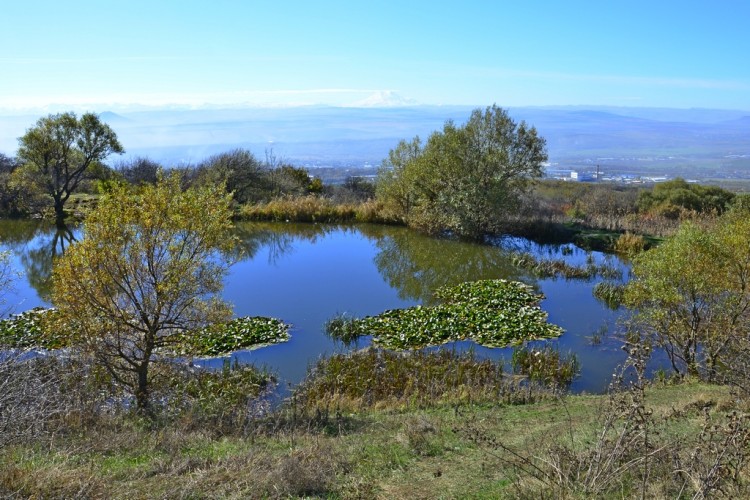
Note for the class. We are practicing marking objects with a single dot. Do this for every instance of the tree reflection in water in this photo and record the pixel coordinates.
(38, 259)
(36, 244)
(417, 265)
(278, 238)
(414, 264)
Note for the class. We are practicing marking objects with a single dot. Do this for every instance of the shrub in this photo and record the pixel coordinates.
(674, 198)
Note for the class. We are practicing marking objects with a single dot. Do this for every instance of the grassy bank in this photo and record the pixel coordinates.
(475, 451)
(372, 424)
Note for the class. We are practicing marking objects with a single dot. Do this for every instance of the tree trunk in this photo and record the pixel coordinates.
(59, 213)
(141, 392)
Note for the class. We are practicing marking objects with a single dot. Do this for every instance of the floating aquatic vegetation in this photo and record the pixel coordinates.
(32, 329)
(492, 313)
(240, 333)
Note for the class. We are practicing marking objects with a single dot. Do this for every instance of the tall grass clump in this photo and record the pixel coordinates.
(312, 208)
(546, 365)
(610, 293)
(630, 244)
(224, 400)
(343, 328)
(559, 268)
(309, 208)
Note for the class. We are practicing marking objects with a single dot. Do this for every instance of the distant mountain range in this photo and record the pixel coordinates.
(699, 143)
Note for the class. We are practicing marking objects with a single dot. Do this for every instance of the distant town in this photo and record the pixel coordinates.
(601, 176)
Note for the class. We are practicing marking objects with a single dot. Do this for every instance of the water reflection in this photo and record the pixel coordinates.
(307, 273)
(417, 265)
(37, 261)
(16, 233)
(35, 245)
(277, 239)
(413, 264)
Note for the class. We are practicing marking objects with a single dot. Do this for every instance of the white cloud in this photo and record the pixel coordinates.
(14, 104)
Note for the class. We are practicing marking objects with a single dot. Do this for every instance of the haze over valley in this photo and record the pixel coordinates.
(695, 143)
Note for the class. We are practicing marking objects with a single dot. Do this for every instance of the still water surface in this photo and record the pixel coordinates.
(307, 273)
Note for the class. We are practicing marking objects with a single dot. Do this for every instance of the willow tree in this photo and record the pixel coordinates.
(466, 179)
(148, 269)
(60, 150)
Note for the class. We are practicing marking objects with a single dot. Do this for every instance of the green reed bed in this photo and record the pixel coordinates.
(610, 293)
(546, 365)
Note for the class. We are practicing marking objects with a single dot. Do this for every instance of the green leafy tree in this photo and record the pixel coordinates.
(465, 179)
(290, 180)
(139, 171)
(59, 151)
(691, 293)
(239, 171)
(149, 269)
(396, 181)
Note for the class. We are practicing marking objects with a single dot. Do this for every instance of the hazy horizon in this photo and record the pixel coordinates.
(699, 143)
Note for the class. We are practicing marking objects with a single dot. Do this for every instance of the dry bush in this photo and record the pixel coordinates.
(714, 464)
(624, 449)
(41, 395)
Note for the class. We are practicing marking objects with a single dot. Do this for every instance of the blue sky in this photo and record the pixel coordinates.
(101, 55)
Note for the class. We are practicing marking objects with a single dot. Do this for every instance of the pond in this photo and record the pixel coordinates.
(305, 274)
